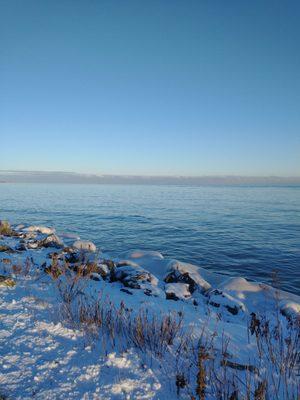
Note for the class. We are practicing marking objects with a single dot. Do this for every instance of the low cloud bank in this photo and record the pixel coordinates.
(73, 177)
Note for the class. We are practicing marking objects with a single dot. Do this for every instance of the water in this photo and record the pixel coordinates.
(238, 231)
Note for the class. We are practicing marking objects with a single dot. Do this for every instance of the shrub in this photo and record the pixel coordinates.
(5, 228)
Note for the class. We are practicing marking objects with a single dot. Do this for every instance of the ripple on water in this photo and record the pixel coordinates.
(248, 231)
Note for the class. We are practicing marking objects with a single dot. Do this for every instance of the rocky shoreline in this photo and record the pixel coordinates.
(147, 271)
(58, 293)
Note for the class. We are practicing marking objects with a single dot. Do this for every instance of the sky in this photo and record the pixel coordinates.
(150, 87)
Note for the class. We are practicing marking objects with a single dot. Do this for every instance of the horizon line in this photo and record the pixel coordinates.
(131, 175)
(64, 177)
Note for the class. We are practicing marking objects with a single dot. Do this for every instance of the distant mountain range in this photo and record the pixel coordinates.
(73, 177)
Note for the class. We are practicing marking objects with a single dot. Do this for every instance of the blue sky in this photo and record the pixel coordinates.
(151, 87)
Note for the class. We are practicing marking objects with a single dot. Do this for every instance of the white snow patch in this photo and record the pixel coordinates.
(56, 329)
(119, 362)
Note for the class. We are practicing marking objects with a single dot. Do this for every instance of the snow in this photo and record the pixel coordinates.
(44, 359)
(43, 355)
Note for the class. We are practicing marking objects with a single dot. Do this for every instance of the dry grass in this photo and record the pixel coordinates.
(5, 228)
(202, 371)
(199, 370)
(146, 332)
(275, 375)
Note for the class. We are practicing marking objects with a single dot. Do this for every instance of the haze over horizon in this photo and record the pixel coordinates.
(7, 176)
(151, 88)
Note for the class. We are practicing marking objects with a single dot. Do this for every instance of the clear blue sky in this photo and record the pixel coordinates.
(151, 87)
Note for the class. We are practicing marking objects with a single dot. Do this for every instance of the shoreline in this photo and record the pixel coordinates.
(70, 294)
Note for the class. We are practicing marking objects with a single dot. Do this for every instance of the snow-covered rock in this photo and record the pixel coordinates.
(28, 235)
(41, 229)
(254, 295)
(103, 270)
(21, 247)
(127, 263)
(32, 245)
(134, 277)
(84, 245)
(177, 291)
(6, 249)
(186, 273)
(218, 298)
(289, 308)
(51, 241)
(95, 277)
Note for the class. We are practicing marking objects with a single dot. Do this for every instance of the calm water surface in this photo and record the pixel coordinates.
(238, 231)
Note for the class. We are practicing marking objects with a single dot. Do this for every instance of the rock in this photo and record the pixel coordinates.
(289, 309)
(127, 263)
(21, 247)
(84, 245)
(6, 249)
(177, 291)
(94, 268)
(134, 277)
(51, 241)
(189, 274)
(134, 281)
(218, 298)
(95, 277)
(84, 255)
(239, 367)
(126, 291)
(28, 235)
(41, 229)
(74, 257)
(33, 245)
(103, 270)
(90, 268)
(109, 263)
(7, 281)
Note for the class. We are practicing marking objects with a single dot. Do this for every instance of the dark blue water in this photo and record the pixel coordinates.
(242, 231)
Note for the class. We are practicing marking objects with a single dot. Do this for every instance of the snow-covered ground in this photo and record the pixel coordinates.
(78, 324)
